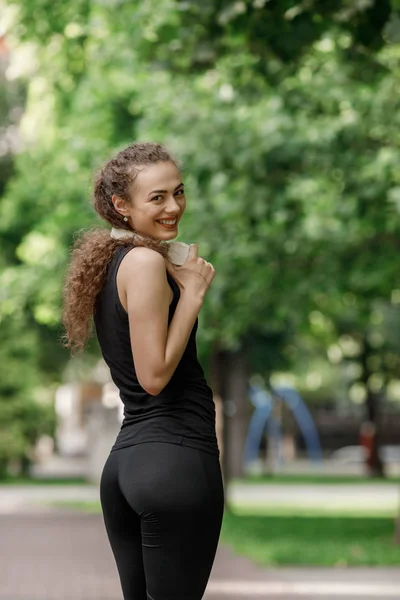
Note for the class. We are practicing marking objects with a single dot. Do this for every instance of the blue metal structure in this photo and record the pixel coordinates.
(263, 417)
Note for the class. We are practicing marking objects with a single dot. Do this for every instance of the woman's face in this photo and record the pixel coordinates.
(158, 201)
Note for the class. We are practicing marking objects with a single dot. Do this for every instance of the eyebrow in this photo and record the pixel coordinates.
(166, 191)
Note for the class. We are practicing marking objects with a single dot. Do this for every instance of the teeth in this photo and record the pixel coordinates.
(168, 222)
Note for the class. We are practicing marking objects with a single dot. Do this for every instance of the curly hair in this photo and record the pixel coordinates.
(93, 250)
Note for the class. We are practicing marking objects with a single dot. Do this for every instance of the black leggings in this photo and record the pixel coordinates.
(162, 506)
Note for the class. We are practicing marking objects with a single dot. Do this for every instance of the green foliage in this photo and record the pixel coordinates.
(22, 418)
(284, 115)
(22, 422)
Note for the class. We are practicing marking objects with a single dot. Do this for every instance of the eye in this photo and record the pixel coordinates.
(180, 192)
(157, 198)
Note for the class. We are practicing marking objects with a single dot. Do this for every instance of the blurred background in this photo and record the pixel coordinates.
(285, 116)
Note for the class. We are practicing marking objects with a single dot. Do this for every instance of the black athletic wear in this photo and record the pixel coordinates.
(162, 506)
(161, 488)
(184, 412)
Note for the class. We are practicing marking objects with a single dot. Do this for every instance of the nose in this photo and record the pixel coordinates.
(172, 206)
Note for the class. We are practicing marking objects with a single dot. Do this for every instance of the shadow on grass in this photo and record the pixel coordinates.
(312, 540)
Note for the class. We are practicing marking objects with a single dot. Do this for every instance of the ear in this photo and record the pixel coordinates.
(119, 205)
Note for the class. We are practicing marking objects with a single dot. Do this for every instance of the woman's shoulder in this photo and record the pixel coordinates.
(139, 257)
(145, 266)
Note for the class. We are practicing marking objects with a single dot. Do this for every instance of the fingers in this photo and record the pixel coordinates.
(211, 271)
(193, 263)
(206, 270)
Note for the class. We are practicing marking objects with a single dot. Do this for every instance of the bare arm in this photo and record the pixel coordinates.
(156, 348)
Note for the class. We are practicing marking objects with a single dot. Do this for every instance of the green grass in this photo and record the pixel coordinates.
(270, 510)
(87, 507)
(310, 538)
(42, 481)
(251, 479)
(320, 479)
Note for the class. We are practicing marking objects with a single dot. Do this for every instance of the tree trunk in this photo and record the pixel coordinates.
(374, 464)
(229, 378)
(236, 413)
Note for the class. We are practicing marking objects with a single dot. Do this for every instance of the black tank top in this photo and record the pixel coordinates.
(184, 412)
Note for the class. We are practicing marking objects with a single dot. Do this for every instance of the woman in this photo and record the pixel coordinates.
(161, 487)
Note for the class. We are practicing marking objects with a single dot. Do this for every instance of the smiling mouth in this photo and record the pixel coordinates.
(168, 222)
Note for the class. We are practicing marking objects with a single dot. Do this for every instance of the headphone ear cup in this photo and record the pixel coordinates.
(178, 253)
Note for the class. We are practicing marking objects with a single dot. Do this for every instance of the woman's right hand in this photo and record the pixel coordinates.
(195, 276)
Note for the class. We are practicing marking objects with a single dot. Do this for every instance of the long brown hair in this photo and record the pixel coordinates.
(93, 250)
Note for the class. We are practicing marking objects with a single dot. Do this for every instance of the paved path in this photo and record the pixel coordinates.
(57, 554)
(53, 554)
(358, 497)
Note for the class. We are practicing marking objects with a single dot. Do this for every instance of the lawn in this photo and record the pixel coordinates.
(308, 478)
(79, 505)
(9, 480)
(276, 538)
(317, 478)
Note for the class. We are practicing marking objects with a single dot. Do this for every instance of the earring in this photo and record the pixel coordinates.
(125, 218)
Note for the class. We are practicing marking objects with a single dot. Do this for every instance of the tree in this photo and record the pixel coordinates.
(286, 179)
